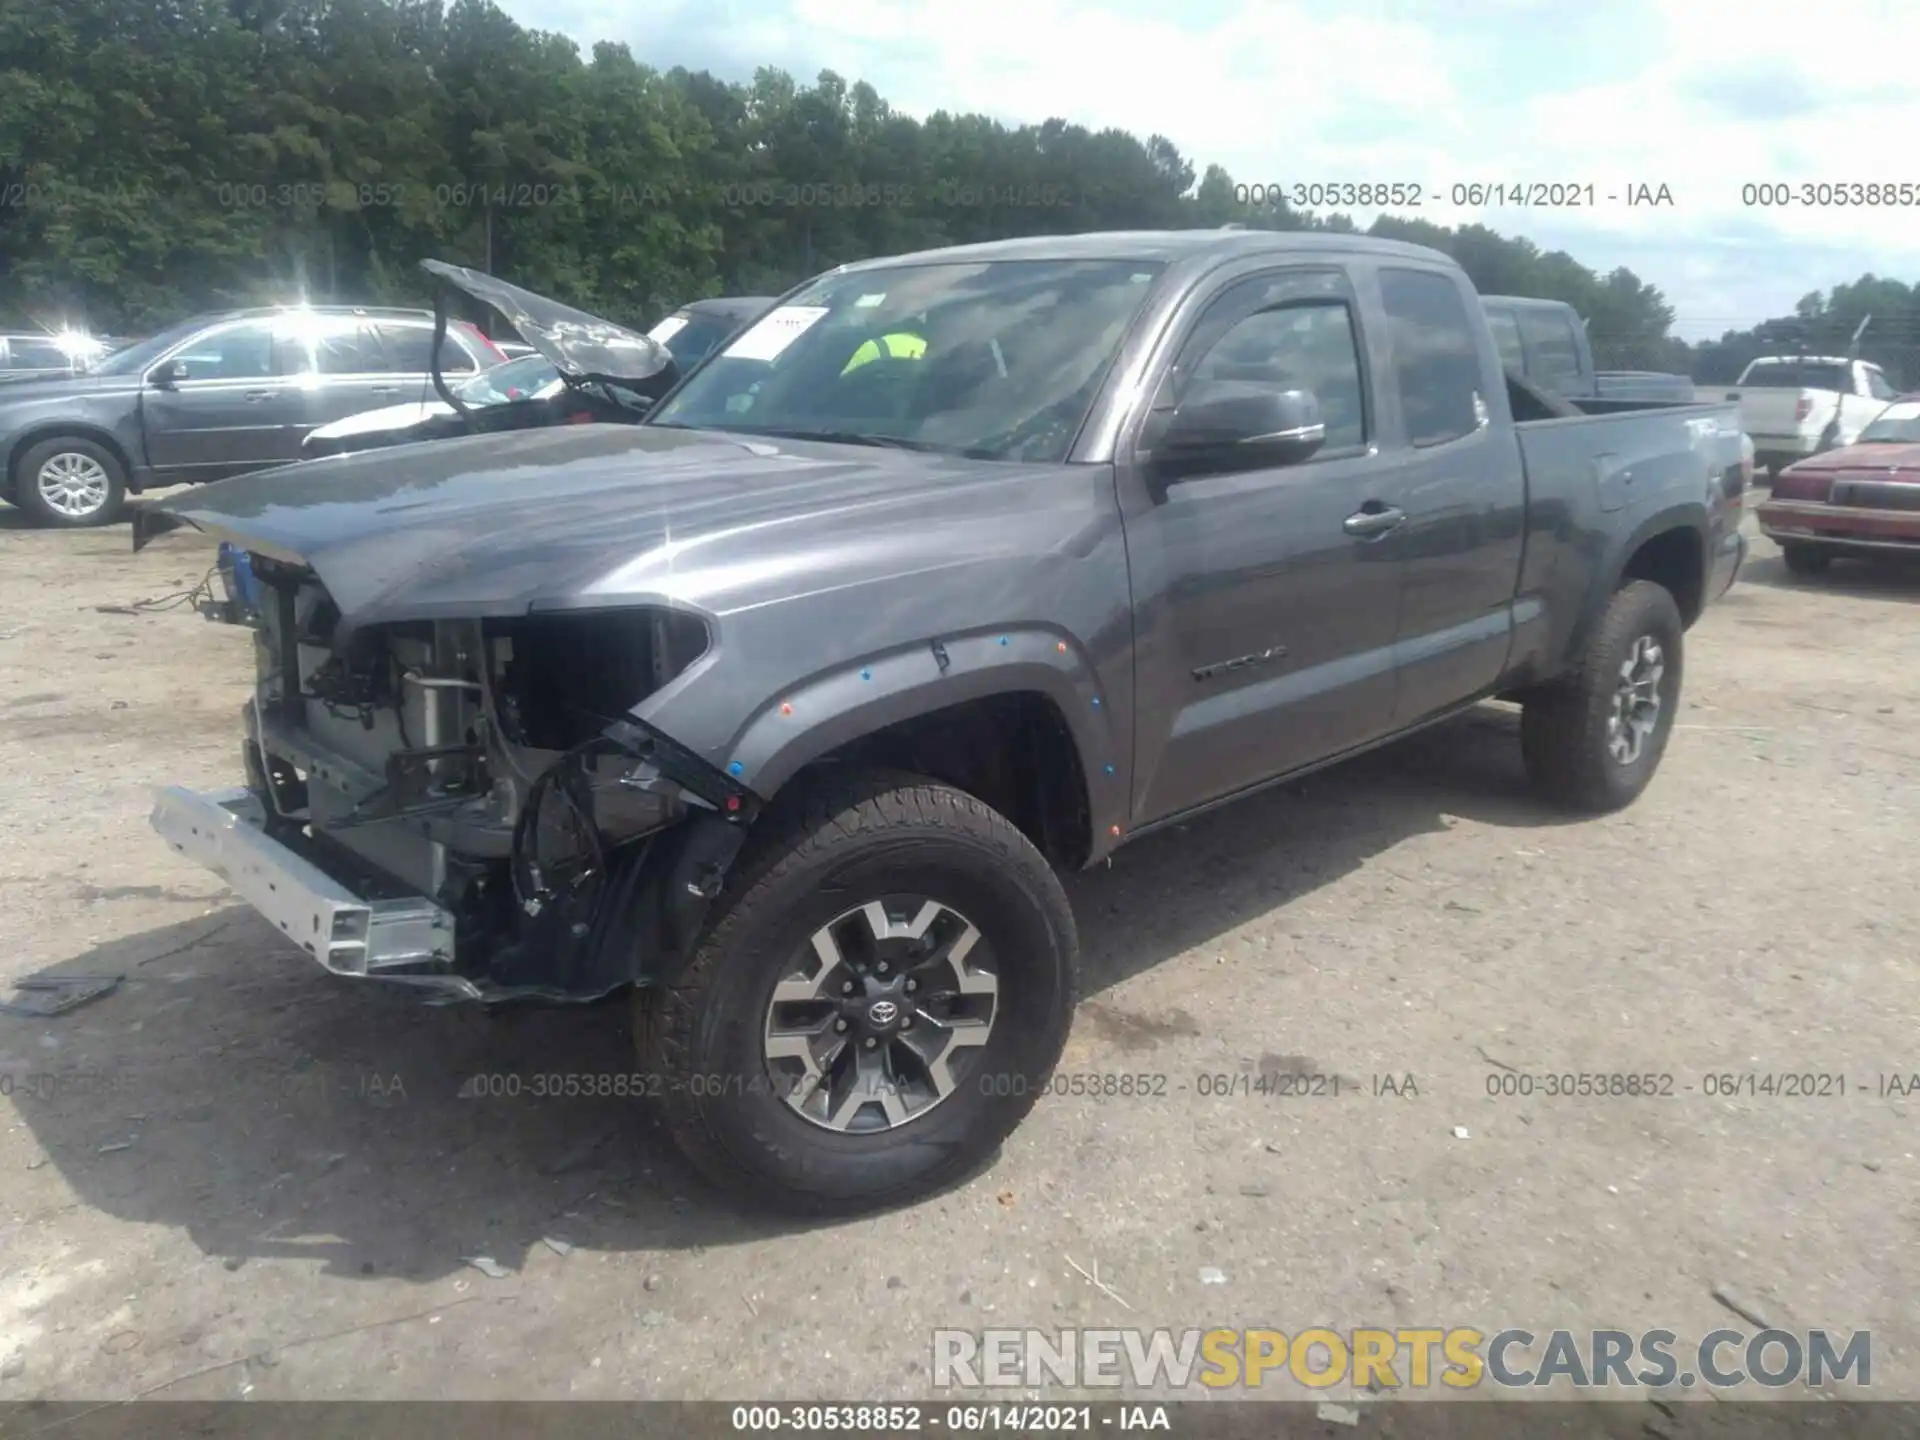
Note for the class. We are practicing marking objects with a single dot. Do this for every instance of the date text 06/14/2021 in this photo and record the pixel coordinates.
(1459, 194)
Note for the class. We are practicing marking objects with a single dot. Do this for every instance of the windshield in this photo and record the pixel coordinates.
(1796, 375)
(690, 337)
(1897, 424)
(999, 361)
(136, 357)
(531, 377)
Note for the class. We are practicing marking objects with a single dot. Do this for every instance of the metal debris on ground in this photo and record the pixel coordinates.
(1212, 1275)
(116, 1145)
(1093, 1279)
(1460, 1132)
(1338, 1414)
(559, 1247)
(63, 992)
(487, 1266)
(1740, 1306)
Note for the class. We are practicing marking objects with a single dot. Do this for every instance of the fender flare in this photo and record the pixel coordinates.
(1690, 516)
(839, 706)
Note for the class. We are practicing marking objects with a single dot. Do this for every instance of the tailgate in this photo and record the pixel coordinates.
(1765, 411)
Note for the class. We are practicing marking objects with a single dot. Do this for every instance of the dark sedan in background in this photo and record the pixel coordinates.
(696, 330)
(1862, 500)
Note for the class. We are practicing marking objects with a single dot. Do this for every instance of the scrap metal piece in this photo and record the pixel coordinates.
(63, 992)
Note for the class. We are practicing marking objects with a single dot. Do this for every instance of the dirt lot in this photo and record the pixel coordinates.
(275, 1184)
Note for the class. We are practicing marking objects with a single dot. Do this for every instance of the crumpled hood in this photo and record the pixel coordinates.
(584, 515)
(581, 346)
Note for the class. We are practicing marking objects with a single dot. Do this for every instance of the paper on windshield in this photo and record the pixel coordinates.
(668, 328)
(775, 331)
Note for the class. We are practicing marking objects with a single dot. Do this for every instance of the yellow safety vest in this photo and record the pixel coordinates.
(898, 346)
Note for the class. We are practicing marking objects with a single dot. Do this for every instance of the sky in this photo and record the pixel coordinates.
(1703, 98)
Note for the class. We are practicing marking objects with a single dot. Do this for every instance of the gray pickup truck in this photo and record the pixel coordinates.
(787, 706)
(1547, 342)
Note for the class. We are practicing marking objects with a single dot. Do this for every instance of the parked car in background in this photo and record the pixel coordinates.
(1800, 405)
(530, 378)
(787, 705)
(214, 396)
(1860, 500)
(696, 330)
(533, 385)
(1547, 342)
(34, 355)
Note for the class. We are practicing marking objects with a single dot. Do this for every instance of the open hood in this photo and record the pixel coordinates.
(581, 346)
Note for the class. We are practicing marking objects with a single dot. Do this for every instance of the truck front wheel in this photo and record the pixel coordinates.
(881, 998)
(1593, 738)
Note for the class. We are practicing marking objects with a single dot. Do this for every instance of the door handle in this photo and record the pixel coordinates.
(383, 390)
(1372, 520)
(259, 394)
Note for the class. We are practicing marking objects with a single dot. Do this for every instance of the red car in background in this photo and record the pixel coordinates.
(1860, 500)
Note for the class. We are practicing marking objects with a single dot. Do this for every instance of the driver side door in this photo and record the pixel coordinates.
(1266, 611)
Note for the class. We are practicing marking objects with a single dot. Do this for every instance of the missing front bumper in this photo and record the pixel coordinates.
(409, 939)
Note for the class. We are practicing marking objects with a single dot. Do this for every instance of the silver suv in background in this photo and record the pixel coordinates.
(30, 355)
(211, 397)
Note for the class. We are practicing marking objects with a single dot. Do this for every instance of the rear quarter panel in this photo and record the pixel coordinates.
(1599, 487)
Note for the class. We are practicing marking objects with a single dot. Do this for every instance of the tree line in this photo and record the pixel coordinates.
(173, 156)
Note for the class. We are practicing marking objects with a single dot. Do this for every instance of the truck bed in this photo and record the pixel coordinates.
(1590, 476)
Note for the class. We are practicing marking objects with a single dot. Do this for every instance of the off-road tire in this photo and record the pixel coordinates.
(26, 487)
(1805, 559)
(842, 841)
(1563, 725)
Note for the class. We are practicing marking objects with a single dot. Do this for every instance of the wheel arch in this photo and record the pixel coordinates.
(26, 440)
(1018, 713)
(1669, 548)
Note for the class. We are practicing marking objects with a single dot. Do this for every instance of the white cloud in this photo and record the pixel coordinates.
(1700, 97)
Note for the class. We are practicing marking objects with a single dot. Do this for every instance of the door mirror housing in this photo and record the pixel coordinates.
(167, 374)
(1232, 425)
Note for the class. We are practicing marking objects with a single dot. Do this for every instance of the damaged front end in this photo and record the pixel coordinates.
(468, 805)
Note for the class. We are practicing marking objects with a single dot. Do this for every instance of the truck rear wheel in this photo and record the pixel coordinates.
(1593, 739)
(71, 482)
(883, 993)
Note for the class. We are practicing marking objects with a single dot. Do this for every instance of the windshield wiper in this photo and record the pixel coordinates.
(848, 437)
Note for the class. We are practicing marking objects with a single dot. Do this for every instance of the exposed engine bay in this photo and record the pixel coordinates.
(492, 769)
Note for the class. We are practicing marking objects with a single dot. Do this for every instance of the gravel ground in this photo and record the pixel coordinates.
(276, 1185)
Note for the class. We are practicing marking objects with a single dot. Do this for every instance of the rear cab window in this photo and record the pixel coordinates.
(1506, 338)
(1553, 351)
(1436, 356)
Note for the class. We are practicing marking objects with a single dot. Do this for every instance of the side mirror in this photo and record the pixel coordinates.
(166, 376)
(1235, 425)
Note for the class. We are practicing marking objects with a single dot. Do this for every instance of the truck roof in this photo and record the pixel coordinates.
(1532, 300)
(1800, 360)
(1161, 245)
